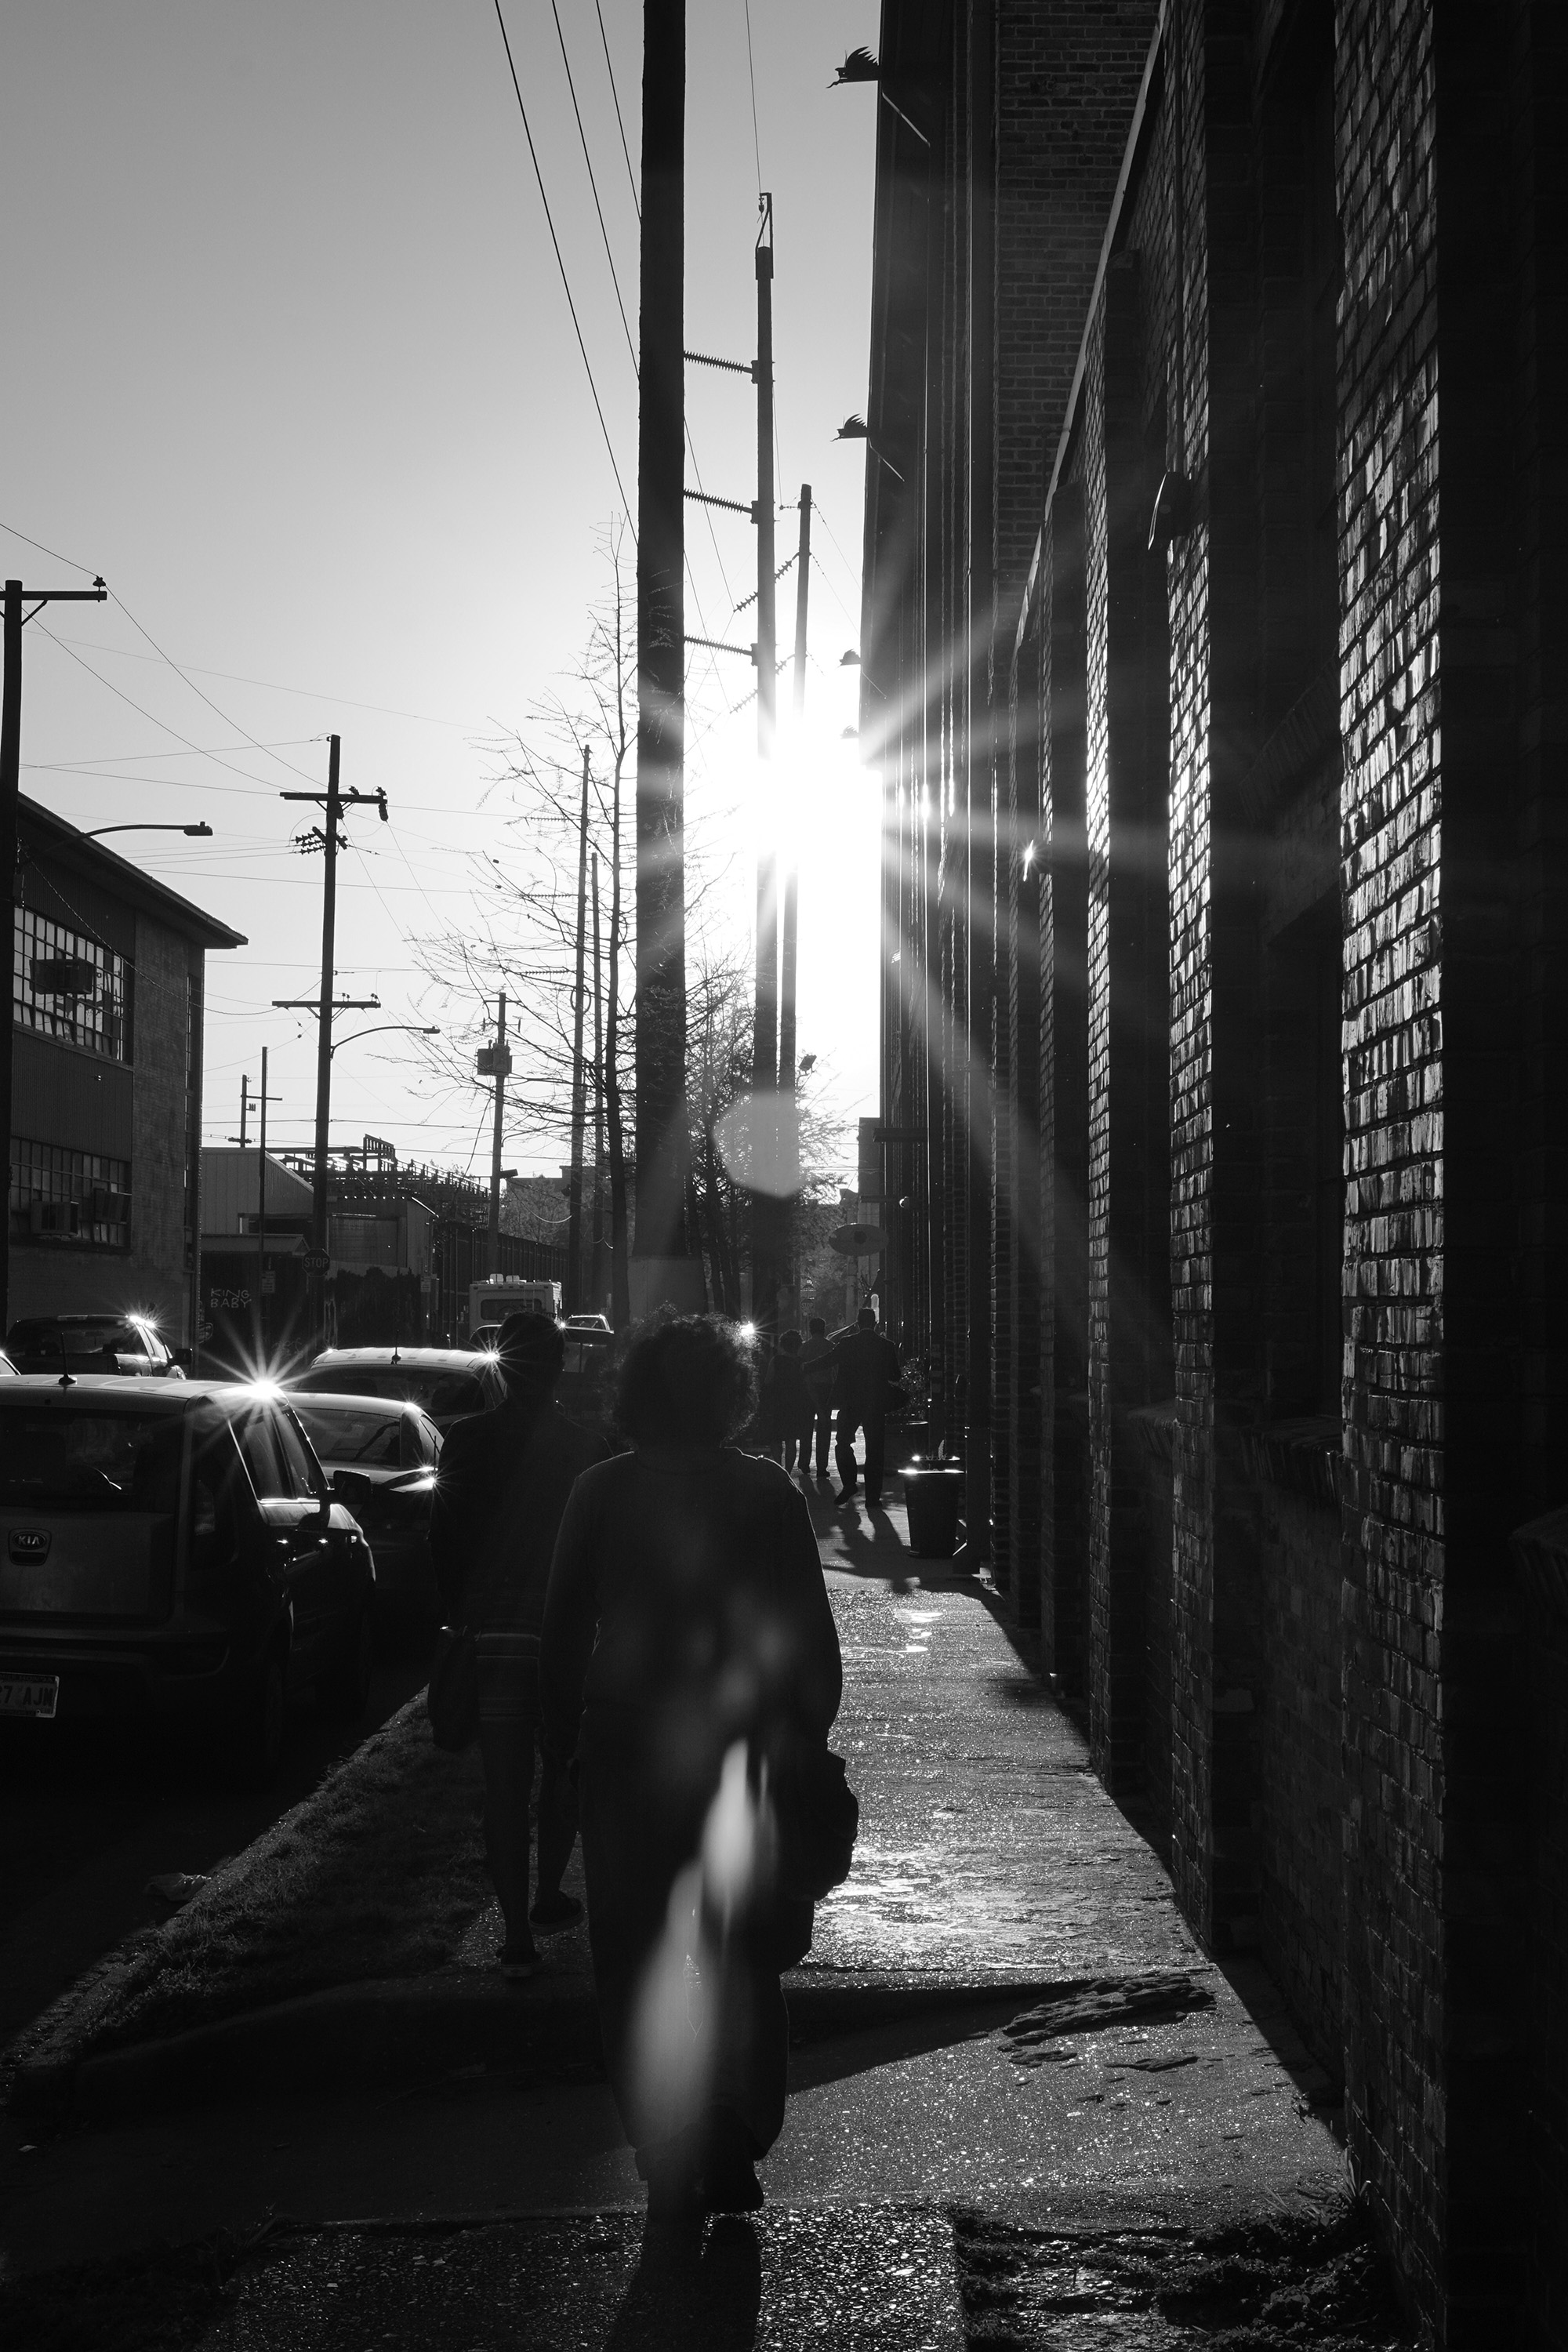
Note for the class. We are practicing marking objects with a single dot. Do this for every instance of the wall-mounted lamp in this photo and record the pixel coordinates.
(1173, 515)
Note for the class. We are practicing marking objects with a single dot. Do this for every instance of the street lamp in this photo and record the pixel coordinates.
(197, 832)
(408, 1028)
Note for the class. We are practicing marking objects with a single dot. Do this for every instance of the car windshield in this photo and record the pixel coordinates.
(86, 1336)
(101, 1460)
(339, 1433)
(445, 1395)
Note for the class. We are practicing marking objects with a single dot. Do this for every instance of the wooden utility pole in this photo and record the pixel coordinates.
(579, 1076)
(662, 1267)
(792, 877)
(765, 1023)
(324, 1017)
(334, 804)
(597, 1286)
(10, 789)
(261, 1228)
(500, 1064)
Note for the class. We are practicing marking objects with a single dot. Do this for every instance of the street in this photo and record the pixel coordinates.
(87, 1818)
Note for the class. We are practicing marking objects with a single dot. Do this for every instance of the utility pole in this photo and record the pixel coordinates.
(579, 1076)
(241, 1138)
(334, 804)
(596, 1284)
(765, 1103)
(495, 1062)
(261, 1228)
(662, 1265)
(788, 1110)
(329, 975)
(792, 877)
(10, 788)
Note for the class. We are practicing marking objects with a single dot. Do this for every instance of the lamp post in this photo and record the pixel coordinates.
(197, 832)
(408, 1029)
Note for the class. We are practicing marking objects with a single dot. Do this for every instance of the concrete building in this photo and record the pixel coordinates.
(1214, 664)
(108, 978)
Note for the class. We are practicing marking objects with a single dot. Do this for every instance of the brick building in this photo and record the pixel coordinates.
(107, 991)
(1213, 663)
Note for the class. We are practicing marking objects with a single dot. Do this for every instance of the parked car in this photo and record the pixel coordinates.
(379, 1455)
(585, 1381)
(127, 1344)
(174, 1549)
(445, 1383)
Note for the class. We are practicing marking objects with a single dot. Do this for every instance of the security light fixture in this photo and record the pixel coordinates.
(1173, 515)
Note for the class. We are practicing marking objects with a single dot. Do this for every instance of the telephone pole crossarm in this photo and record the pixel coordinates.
(338, 1005)
(718, 645)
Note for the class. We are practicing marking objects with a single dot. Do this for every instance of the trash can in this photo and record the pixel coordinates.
(933, 1497)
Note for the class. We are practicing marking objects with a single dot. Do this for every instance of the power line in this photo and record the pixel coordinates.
(615, 94)
(196, 691)
(13, 533)
(593, 185)
(752, 71)
(143, 713)
(565, 281)
(272, 686)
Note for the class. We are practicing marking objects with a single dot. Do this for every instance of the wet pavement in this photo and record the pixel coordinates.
(1171, 2105)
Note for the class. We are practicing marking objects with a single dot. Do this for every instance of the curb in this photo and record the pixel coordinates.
(397, 2035)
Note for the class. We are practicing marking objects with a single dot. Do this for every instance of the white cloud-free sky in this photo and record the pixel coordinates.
(290, 364)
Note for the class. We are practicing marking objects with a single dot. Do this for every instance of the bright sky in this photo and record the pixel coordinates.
(290, 364)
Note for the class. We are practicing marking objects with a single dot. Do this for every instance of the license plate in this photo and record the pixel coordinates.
(36, 1695)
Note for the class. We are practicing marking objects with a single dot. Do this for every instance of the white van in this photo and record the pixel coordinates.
(489, 1304)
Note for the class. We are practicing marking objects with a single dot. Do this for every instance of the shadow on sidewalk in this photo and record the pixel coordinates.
(710, 2305)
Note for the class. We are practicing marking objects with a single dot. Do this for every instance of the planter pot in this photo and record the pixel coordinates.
(934, 1498)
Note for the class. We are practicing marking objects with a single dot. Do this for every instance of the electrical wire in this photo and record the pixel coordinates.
(271, 685)
(196, 691)
(594, 185)
(11, 530)
(615, 94)
(255, 781)
(752, 71)
(565, 281)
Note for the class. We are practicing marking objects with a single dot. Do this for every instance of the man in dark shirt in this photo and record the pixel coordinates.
(501, 1490)
(865, 1366)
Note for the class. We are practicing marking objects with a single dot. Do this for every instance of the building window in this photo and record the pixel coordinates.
(67, 985)
(69, 1196)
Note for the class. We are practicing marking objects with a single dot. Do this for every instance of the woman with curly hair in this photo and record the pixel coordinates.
(687, 1632)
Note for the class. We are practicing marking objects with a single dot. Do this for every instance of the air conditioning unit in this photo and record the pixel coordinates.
(59, 1217)
(61, 975)
(108, 1207)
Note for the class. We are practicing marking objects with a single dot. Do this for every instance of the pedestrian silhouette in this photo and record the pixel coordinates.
(501, 1489)
(688, 1638)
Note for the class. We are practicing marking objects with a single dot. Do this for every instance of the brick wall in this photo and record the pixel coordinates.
(1129, 1148)
(1300, 1772)
(1390, 662)
(1064, 1093)
(1022, 855)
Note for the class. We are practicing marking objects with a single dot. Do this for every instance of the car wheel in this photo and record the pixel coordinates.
(345, 1690)
(258, 1739)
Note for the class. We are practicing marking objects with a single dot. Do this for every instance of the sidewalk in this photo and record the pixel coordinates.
(1002, 2010)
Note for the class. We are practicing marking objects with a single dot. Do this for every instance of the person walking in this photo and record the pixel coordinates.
(791, 1402)
(687, 1634)
(500, 1488)
(816, 1371)
(866, 1366)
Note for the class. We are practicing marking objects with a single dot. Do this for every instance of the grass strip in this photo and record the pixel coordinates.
(378, 1873)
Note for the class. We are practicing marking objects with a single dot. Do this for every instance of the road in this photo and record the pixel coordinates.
(88, 1815)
